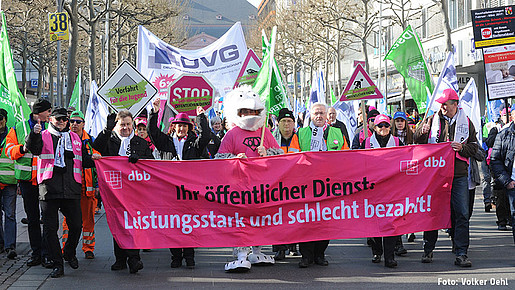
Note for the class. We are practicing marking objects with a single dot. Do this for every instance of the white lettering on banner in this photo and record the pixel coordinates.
(307, 214)
(137, 176)
(433, 162)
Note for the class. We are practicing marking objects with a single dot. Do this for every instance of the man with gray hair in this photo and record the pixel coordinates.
(318, 136)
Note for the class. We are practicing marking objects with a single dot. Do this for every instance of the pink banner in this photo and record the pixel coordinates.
(278, 199)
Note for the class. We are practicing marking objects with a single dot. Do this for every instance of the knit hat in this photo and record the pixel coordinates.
(77, 114)
(41, 105)
(140, 121)
(285, 113)
(372, 114)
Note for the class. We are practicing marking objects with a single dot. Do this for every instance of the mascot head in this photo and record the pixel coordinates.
(244, 108)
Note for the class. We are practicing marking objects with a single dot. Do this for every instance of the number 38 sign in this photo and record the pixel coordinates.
(58, 26)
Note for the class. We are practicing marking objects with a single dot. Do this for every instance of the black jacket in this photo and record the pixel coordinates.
(108, 144)
(62, 185)
(194, 146)
(503, 154)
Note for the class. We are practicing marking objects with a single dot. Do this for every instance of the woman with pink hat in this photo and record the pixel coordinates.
(381, 138)
(180, 143)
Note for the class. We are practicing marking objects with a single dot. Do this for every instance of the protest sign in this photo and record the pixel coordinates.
(277, 199)
(189, 91)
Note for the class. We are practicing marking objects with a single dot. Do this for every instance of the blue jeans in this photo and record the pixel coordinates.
(511, 197)
(486, 182)
(460, 199)
(8, 197)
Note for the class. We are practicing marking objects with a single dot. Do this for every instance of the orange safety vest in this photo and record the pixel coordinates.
(294, 146)
(87, 177)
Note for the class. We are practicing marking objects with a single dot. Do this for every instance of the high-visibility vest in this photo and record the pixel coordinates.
(335, 140)
(294, 146)
(23, 166)
(88, 173)
(6, 167)
(46, 159)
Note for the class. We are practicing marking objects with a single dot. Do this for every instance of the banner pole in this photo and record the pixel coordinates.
(263, 131)
(365, 120)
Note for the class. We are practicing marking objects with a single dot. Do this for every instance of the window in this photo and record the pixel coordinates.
(459, 12)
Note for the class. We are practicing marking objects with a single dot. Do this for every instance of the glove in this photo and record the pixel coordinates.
(111, 121)
(133, 158)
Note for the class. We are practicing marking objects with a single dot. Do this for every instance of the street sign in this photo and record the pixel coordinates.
(360, 87)
(127, 89)
(189, 91)
(34, 83)
(58, 26)
(493, 26)
(249, 70)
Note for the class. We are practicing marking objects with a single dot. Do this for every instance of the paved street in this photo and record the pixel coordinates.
(492, 253)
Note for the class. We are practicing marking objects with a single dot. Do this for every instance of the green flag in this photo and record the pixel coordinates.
(334, 99)
(11, 98)
(406, 53)
(75, 97)
(269, 84)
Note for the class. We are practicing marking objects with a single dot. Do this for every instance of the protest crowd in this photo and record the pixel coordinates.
(51, 163)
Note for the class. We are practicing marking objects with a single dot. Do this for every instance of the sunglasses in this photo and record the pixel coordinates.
(76, 121)
(62, 119)
(383, 125)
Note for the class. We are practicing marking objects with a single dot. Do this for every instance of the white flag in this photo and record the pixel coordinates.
(469, 102)
(347, 113)
(446, 80)
(96, 112)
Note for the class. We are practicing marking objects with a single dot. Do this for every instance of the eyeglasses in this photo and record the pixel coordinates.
(76, 121)
(371, 119)
(61, 119)
(383, 125)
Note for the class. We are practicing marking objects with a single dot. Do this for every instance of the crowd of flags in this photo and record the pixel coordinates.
(406, 54)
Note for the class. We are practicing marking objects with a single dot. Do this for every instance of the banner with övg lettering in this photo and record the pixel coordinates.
(277, 199)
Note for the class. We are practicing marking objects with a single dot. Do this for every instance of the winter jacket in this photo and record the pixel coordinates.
(503, 154)
(469, 148)
(108, 144)
(62, 185)
(194, 146)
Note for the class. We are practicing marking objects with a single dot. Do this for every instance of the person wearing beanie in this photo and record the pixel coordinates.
(443, 127)
(382, 138)
(61, 159)
(285, 135)
(24, 162)
(359, 138)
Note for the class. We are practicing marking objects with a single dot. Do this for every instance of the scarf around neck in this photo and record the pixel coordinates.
(64, 143)
(124, 144)
(317, 138)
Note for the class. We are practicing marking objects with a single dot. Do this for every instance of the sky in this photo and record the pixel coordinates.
(254, 2)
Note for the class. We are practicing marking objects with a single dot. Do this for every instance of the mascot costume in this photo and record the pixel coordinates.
(246, 113)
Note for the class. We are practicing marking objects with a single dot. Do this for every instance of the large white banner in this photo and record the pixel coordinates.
(220, 61)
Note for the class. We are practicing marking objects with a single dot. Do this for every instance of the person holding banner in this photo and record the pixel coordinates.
(382, 138)
(247, 138)
(285, 135)
(181, 144)
(318, 136)
(118, 139)
(24, 165)
(61, 161)
(451, 124)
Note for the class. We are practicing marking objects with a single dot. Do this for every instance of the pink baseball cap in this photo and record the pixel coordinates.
(140, 120)
(448, 94)
(381, 119)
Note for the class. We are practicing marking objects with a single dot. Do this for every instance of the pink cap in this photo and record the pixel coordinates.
(381, 119)
(370, 108)
(448, 94)
(140, 120)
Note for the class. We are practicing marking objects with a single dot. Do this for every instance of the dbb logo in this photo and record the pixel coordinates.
(433, 162)
(137, 176)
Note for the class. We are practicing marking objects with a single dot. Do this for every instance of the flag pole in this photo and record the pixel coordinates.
(270, 61)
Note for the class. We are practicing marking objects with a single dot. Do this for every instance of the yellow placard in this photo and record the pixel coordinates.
(494, 42)
(58, 26)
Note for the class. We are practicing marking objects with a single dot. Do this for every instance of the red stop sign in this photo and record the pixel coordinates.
(189, 91)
